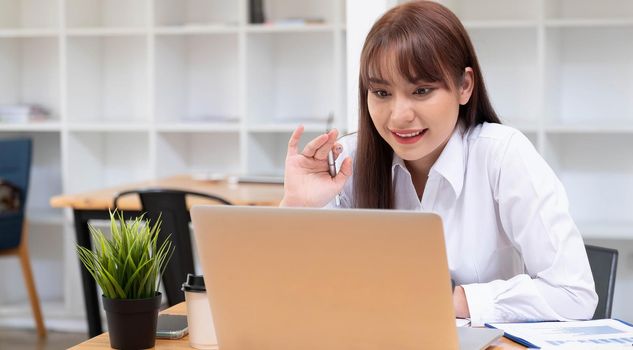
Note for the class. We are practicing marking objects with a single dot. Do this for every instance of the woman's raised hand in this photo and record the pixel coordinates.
(307, 182)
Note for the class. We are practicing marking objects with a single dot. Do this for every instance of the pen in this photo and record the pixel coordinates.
(330, 160)
(332, 170)
(331, 164)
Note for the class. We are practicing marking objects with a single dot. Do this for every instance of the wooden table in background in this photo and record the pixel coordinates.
(94, 205)
(238, 194)
(103, 341)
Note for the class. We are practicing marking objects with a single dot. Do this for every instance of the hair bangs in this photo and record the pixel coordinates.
(397, 51)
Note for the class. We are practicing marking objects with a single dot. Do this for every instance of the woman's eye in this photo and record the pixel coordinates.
(381, 93)
(422, 91)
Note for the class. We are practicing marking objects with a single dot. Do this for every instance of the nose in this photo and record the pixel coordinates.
(402, 110)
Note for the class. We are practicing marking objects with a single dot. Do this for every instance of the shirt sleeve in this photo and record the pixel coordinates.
(533, 211)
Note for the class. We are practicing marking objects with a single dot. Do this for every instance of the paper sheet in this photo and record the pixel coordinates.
(462, 322)
(577, 334)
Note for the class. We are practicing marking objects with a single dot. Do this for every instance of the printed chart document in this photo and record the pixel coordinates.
(580, 334)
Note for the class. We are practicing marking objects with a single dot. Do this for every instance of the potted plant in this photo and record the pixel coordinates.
(128, 268)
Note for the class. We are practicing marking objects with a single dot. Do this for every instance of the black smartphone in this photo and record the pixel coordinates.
(171, 326)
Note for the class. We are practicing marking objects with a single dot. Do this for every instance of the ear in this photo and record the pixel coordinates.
(466, 87)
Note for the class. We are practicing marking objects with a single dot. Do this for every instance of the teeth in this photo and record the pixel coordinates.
(409, 135)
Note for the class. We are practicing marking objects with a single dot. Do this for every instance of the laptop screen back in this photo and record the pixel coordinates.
(287, 278)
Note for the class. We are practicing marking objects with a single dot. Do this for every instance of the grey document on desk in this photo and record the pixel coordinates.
(477, 338)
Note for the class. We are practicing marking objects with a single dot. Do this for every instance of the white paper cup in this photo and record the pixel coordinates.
(201, 329)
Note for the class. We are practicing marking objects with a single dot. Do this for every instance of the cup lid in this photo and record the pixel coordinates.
(194, 283)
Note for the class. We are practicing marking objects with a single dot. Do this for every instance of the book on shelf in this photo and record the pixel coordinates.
(257, 15)
(299, 21)
(256, 11)
(23, 113)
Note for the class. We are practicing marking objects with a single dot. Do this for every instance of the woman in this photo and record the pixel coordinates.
(429, 140)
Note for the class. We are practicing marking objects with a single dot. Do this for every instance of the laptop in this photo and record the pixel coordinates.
(294, 278)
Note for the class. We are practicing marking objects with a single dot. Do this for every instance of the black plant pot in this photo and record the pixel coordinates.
(132, 322)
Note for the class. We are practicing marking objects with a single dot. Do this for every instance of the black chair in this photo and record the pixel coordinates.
(171, 205)
(604, 263)
(15, 169)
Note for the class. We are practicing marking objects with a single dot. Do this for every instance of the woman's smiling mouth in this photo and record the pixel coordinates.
(408, 136)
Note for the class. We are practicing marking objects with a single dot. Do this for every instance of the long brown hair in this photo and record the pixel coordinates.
(427, 41)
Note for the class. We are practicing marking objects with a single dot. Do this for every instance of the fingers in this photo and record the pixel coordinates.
(321, 152)
(344, 173)
(320, 146)
(294, 140)
(337, 150)
(310, 149)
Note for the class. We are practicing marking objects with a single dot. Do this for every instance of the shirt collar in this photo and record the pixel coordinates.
(450, 164)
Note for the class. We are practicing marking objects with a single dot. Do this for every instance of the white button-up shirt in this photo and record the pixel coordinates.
(510, 240)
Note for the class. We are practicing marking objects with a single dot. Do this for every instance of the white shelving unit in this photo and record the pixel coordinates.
(150, 88)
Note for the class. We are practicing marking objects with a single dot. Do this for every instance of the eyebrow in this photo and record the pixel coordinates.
(385, 82)
(378, 81)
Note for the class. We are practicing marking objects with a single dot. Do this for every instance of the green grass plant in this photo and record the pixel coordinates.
(129, 265)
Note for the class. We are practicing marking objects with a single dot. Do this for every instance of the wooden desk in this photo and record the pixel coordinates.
(94, 206)
(239, 194)
(103, 341)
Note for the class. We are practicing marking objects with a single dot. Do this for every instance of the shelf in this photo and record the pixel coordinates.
(106, 13)
(197, 29)
(107, 79)
(589, 77)
(29, 33)
(267, 152)
(195, 12)
(201, 152)
(499, 24)
(199, 127)
(110, 126)
(494, 10)
(29, 14)
(29, 71)
(509, 63)
(595, 170)
(101, 32)
(104, 159)
(31, 126)
(581, 23)
(589, 9)
(197, 77)
(288, 83)
(288, 127)
(290, 28)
